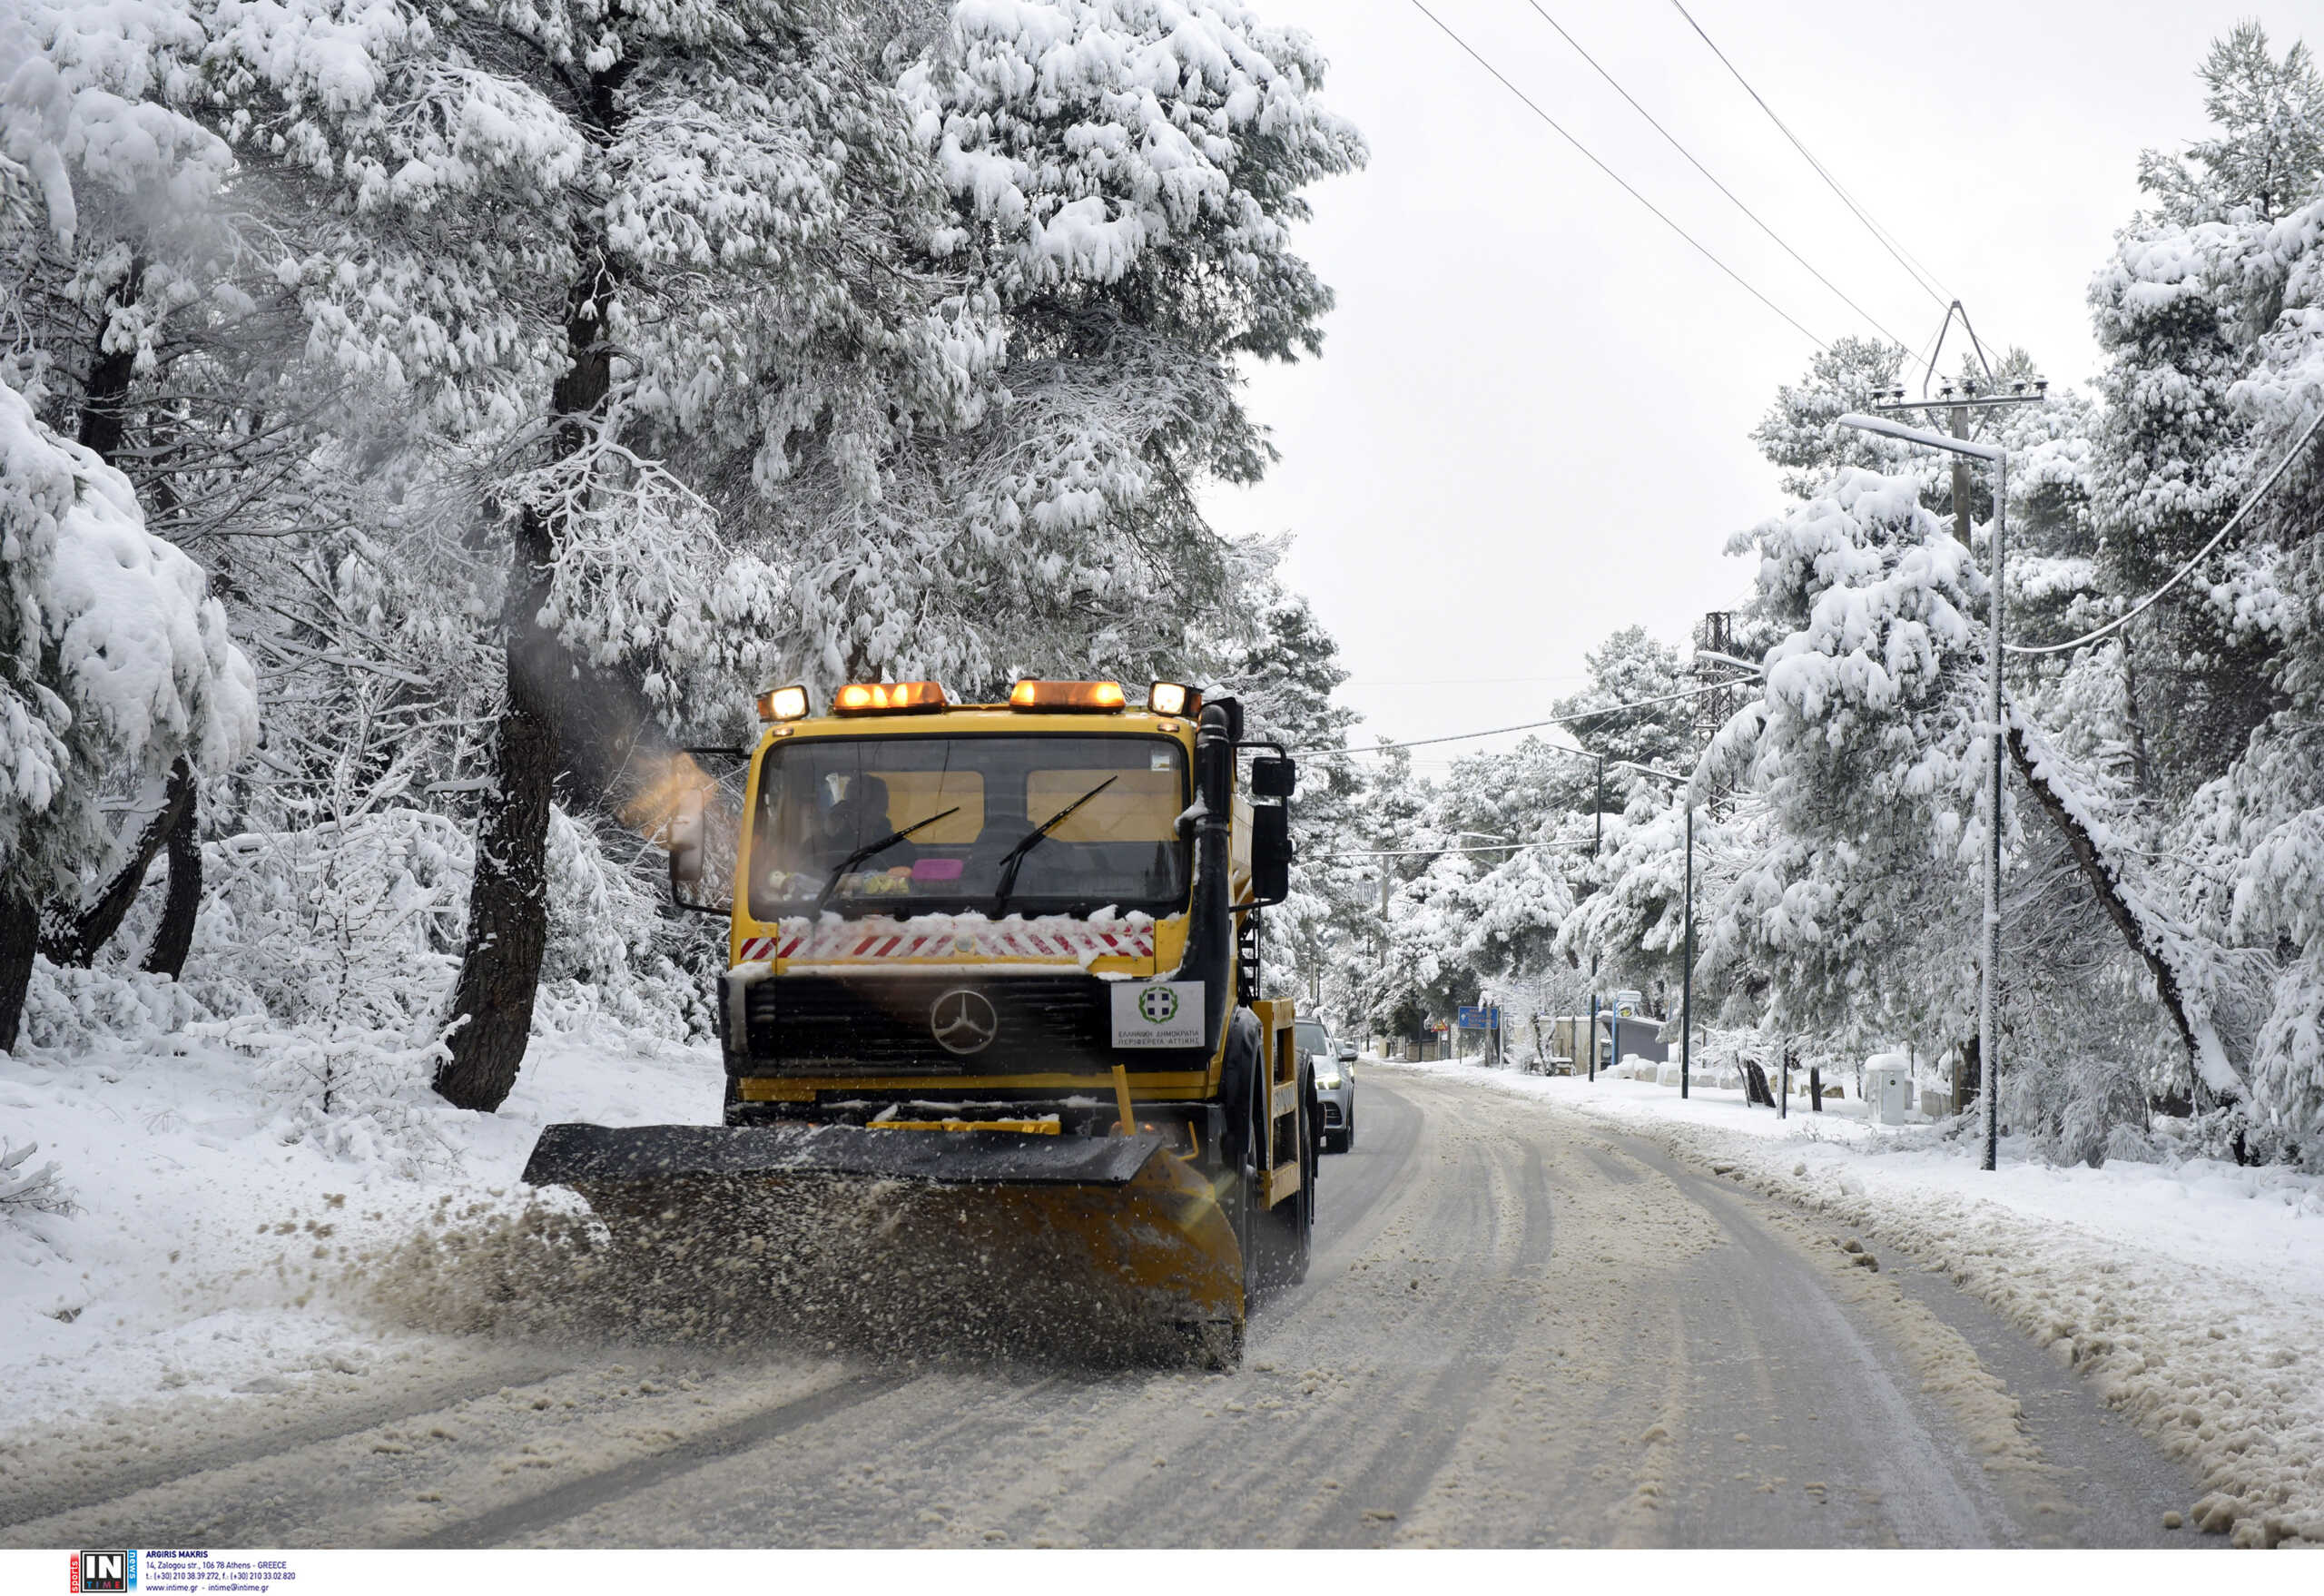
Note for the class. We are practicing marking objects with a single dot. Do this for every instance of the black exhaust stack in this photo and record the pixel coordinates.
(1210, 929)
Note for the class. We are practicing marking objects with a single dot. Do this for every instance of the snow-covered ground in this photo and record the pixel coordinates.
(214, 1231)
(2191, 1294)
(215, 1235)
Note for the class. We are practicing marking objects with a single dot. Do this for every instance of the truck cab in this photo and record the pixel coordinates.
(993, 945)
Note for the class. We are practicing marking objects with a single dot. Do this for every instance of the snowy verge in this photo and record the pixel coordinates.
(2190, 1295)
(209, 1219)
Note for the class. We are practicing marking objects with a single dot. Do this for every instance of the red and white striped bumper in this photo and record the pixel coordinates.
(872, 940)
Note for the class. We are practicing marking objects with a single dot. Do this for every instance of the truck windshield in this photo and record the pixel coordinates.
(970, 805)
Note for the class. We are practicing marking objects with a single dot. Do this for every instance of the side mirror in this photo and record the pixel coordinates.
(685, 842)
(1271, 852)
(1347, 1052)
(1274, 777)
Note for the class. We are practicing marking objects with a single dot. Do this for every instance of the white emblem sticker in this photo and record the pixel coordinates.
(1158, 1013)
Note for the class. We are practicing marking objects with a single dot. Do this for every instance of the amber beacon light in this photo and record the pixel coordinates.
(888, 697)
(1055, 695)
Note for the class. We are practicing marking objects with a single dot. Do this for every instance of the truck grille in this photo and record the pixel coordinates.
(881, 1024)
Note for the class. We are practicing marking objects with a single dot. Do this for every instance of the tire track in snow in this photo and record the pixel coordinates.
(576, 1497)
(53, 1493)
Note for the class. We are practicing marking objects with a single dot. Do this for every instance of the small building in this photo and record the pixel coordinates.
(1619, 1037)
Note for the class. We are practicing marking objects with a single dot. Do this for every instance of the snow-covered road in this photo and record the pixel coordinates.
(1523, 1328)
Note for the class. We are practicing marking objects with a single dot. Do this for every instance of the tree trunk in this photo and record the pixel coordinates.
(78, 937)
(1815, 1088)
(2142, 767)
(2205, 1057)
(508, 931)
(74, 937)
(104, 396)
(611, 742)
(173, 937)
(19, 938)
(492, 1003)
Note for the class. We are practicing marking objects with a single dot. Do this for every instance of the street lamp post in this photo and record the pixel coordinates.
(1686, 981)
(1687, 973)
(1989, 985)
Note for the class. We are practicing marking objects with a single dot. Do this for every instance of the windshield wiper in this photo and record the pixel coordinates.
(830, 887)
(1015, 857)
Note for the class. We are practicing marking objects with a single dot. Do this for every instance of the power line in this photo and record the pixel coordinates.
(1461, 681)
(1554, 127)
(1921, 275)
(1672, 141)
(1564, 720)
(2218, 537)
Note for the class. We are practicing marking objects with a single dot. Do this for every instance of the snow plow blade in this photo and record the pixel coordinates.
(1080, 1236)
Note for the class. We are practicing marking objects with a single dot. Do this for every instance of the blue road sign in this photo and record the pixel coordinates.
(1473, 1017)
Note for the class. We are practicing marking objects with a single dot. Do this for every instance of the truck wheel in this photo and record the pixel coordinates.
(1239, 1147)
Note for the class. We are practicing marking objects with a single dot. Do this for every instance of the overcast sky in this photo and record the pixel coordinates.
(1530, 423)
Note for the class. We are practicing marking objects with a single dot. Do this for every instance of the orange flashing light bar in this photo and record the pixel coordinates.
(1055, 695)
(888, 697)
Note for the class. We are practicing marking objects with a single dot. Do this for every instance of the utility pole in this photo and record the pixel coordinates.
(1686, 990)
(1961, 478)
(1958, 444)
(1381, 964)
(1596, 840)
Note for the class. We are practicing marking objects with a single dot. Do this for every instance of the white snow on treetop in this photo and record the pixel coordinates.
(111, 650)
(1157, 99)
(1885, 587)
(80, 86)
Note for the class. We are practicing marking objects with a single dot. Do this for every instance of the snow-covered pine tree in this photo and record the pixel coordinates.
(1121, 176)
(1862, 747)
(111, 652)
(1284, 679)
(1801, 432)
(118, 279)
(114, 662)
(1629, 923)
(588, 252)
(2179, 311)
(2253, 839)
(1384, 999)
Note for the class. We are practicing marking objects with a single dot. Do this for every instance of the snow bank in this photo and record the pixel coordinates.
(211, 1218)
(2190, 1295)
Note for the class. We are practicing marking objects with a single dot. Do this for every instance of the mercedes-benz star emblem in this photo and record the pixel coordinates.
(963, 1021)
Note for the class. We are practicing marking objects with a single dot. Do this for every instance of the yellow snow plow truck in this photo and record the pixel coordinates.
(990, 1019)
